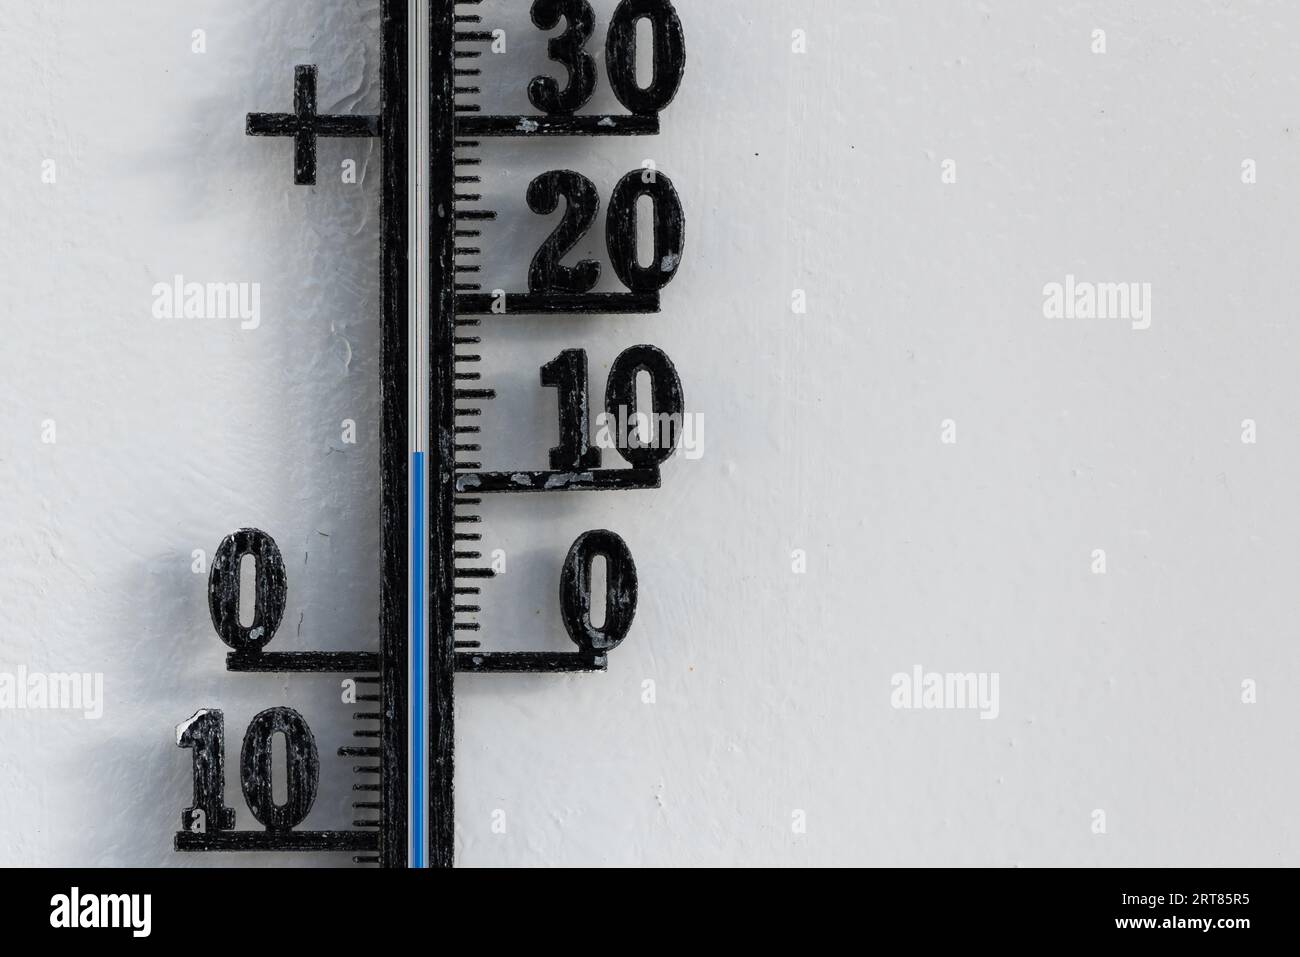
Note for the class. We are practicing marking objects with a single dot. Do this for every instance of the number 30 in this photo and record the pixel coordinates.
(568, 49)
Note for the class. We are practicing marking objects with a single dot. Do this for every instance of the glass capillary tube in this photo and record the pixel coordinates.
(418, 418)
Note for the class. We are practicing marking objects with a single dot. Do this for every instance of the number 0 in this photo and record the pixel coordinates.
(223, 589)
(669, 54)
(302, 773)
(620, 591)
(621, 228)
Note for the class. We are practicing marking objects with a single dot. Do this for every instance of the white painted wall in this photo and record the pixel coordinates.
(821, 172)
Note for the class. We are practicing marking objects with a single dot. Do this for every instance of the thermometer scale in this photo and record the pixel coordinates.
(431, 134)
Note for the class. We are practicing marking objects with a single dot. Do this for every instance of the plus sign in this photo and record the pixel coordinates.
(304, 124)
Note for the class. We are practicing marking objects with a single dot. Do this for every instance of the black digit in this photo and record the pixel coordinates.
(567, 372)
(620, 592)
(205, 735)
(566, 49)
(223, 589)
(582, 204)
(665, 417)
(302, 773)
(669, 54)
(669, 231)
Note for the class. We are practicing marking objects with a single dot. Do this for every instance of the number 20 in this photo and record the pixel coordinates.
(548, 275)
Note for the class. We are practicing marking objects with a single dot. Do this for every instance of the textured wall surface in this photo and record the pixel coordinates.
(821, 171)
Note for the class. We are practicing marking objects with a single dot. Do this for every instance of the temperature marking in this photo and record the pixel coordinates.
(305, 125)
(432, 229)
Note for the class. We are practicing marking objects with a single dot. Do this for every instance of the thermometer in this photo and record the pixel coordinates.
(432, 137)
